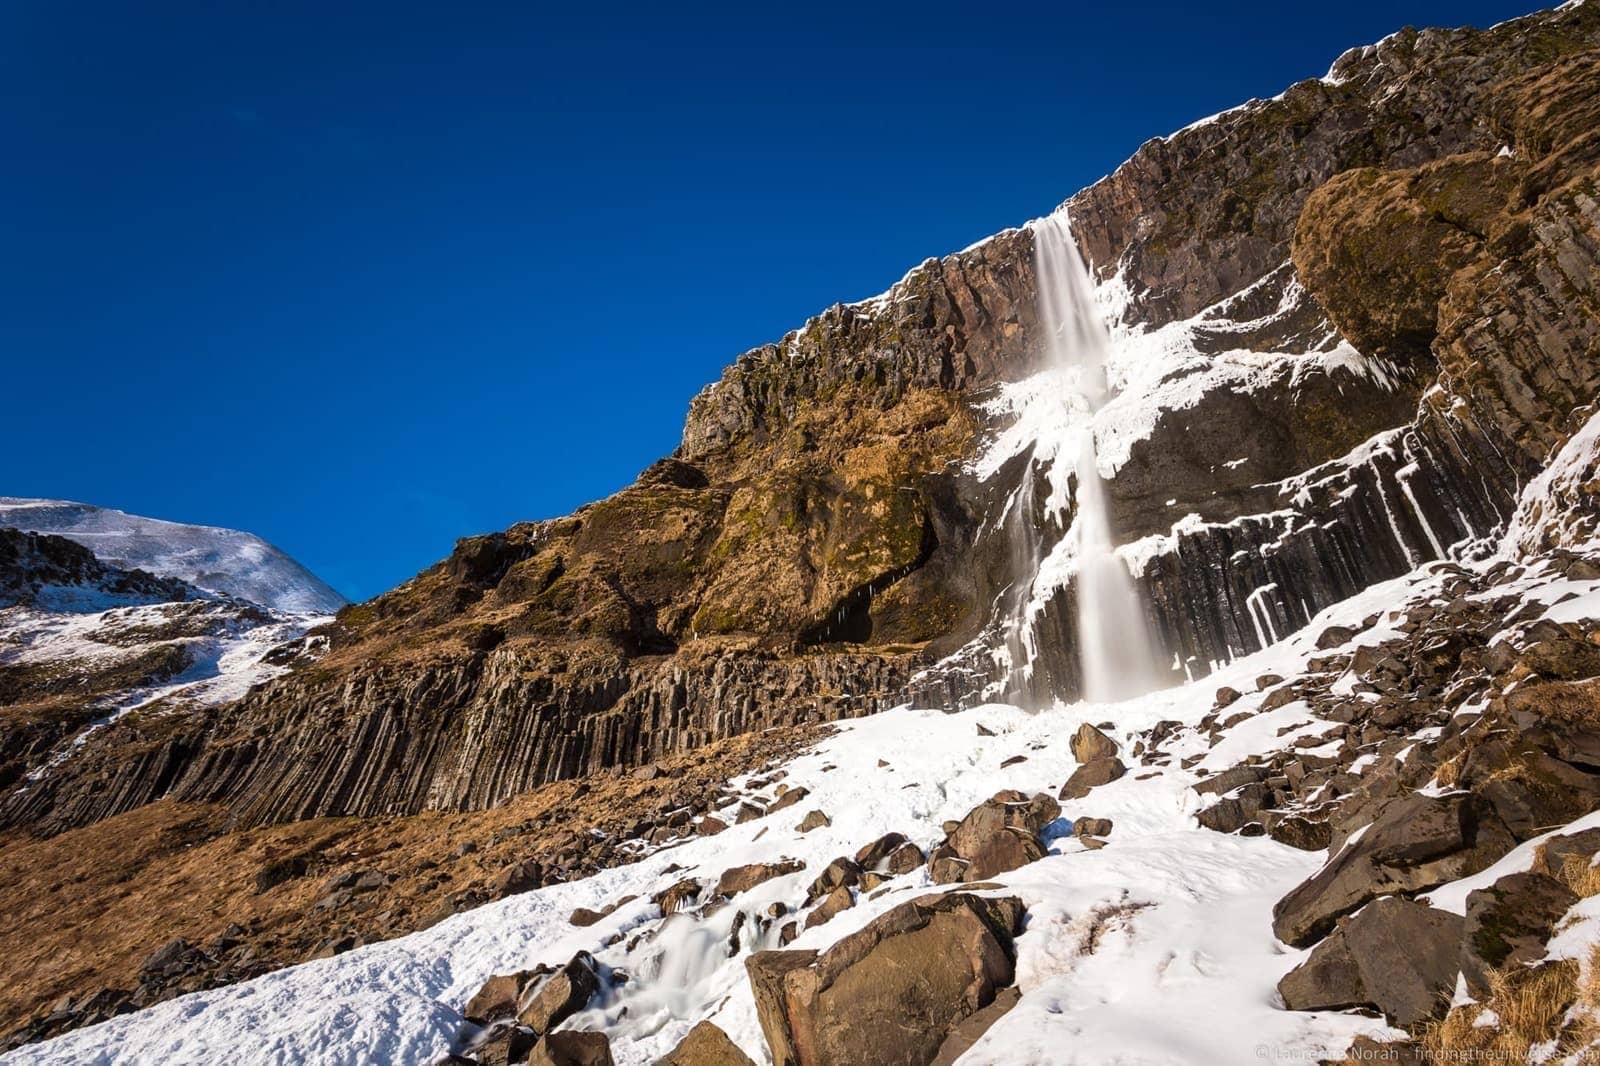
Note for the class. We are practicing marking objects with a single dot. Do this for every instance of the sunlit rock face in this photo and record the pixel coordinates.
(1282, 426)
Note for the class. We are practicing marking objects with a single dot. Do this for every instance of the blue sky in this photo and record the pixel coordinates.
(365, 278)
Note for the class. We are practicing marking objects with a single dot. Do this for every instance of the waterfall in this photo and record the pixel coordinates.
(1116, 651)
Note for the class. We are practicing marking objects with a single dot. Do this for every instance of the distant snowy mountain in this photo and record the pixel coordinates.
(218, 560)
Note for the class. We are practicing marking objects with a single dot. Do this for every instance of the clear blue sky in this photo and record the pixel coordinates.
(365, 278)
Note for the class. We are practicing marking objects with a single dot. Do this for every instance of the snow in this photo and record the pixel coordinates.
(1189, 937)
(224, 561)
(226, 645)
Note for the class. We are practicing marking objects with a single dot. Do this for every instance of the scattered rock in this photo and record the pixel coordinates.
(518, 878)
(1395, 954)
(837, 900)
(1509, 923)
(1088, 744)
(1418, 842)
(743, 878)
(813, 820)
(562, 994)
(706, 1045)
(1091, 775)
(572, 1048)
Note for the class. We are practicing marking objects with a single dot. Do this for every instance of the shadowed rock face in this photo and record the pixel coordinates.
(818, 540)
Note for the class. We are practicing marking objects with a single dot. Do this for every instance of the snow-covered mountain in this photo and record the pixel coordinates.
(226, 561)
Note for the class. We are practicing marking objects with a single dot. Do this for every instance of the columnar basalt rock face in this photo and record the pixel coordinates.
(820, 537)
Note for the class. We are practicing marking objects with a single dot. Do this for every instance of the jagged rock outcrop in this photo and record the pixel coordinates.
(820, 538)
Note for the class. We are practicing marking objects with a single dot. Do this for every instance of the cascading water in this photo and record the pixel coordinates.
(1117, 655)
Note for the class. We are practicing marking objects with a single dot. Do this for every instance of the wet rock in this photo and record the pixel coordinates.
(706, 1045)
(1418, 842)
(927, 965)
(840, 873)
(870, 855)
(1395, 955)
(502, 1045)
(1092, 775)
(677, 896)
(497, 999)
(572, 1048)
(743, 878)
(1509, 923)
(561, 995)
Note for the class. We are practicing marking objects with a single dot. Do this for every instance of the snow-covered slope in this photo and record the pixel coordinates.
(1131, 952)
(219, 560)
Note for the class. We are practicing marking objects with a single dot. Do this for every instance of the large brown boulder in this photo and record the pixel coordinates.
(1098, 771)
(706, 1045)
(1396, 955)
(1417, 843)
(1088, 744)
(1509, 923)
(893, 992)
(571, 1048)
(743, 878)
(562, 994)
(999, 834)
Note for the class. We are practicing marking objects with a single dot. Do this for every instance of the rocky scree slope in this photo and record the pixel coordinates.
(1286, 434)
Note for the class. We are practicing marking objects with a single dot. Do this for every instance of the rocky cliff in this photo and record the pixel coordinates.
(1300, 414)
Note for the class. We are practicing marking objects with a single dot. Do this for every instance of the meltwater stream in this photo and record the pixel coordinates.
(1117, 655)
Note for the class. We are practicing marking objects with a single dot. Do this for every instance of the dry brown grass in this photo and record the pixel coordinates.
(1580, 875)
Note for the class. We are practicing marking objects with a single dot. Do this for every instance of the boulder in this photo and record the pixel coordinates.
(572, 1048)
(1090, 775)
(518, 878)
(502, 1044)
(788, 799)
(872, 854)
(1395, 955)
(813, 820)
(706, 1045)
(1000, 834)
(1555, 855)
(1418, 842)
(1091, 827)
(840, 873)
(743, 878)
(562, 994)
(893, 992)
(1300, 832)
(1509, 923)
(677, 896)
(839, 899)
(903, 860)
(497, 999)
(1089, 744)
